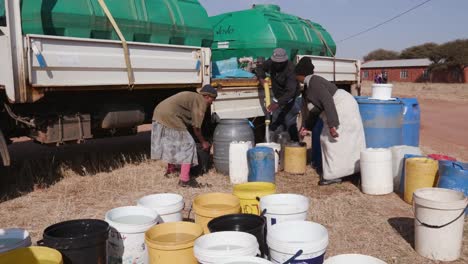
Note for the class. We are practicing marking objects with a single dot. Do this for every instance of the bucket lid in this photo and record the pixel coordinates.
(353, 259)
(440, 198)
(163, 203)
(214, 247)
(252, 190)
(289, 237)
(75, 233)
(284, 203)
(216, 204)
(132, 219)
(246, 260)
(248, 223)
(12, 238)
(164, 236)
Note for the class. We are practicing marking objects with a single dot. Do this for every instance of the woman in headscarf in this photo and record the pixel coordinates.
(342, 138)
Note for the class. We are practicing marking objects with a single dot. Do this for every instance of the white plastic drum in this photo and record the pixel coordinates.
(398, 155)
(376, 171)
(284, 207)
(277, 148)
(169, 206)
(238, 165)
(382, 91)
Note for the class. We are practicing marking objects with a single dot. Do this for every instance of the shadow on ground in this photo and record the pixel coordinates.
(38, 166)
(405, 227)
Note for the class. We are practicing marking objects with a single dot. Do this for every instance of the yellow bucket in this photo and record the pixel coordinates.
(32, 255)
(419, 173)
(248, 193)
(295, 158)
(212, 205)
(172, 242)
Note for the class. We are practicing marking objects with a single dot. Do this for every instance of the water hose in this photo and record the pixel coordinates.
(266, 87)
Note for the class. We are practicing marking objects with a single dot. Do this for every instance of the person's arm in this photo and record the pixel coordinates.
(326, 100)
(198, 114)
(198, 133)
(262, 70)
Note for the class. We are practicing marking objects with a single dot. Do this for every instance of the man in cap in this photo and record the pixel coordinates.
(170, 137)
(285, 90)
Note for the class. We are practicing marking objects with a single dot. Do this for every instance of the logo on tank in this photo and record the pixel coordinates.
(225, 31)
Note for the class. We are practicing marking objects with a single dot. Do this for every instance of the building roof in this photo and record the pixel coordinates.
(396, 63)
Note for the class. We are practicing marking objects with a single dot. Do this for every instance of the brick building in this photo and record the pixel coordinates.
(412, 70)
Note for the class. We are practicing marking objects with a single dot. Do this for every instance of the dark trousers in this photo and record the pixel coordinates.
(285, 119)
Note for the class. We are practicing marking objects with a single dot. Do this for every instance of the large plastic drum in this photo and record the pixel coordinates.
(411, 122)
(383, 122)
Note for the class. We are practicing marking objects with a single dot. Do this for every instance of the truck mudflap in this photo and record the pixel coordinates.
(4, 154)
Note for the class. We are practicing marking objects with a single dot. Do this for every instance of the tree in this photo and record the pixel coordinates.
(382, 54)
(451, 56)
(425, 50)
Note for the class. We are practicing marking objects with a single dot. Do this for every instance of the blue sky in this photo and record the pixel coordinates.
(437, 21)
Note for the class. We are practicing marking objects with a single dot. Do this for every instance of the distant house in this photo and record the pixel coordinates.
(412, 70)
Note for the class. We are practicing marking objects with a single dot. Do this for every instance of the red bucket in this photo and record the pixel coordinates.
(441, 157)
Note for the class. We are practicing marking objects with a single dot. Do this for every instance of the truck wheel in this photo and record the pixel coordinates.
(4, 154)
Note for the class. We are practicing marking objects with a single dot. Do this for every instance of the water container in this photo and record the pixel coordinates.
(441, 157)
(419, 173)
(411, 122)
(383, 122)
(282, 138)
(211, 205)
(32, 255)
(238, 164)
(376, 171)
(277, 148)
(298, 242)
(170, 243)
(453, 175)
(261, 164)
(258, 31)
(216, 247)
(295, 158)
(13, 238)
(353, 259)
(157, 21)
(227, 131)
(246, 260)
(169, 206)
(382, 91)
(81, 241)
(398, 155)
(403, 171)
(285, 207)
(249, 194)
(438, 225)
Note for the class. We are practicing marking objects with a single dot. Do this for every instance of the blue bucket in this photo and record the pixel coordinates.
(453, 175)
(261, 162)
(411, 122)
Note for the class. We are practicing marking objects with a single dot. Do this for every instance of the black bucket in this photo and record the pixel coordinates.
(248, 223)
(80, 241)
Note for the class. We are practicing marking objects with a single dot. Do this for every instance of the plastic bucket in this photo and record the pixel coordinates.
(126, 242)
(169, 206)
(376, 171)
(441, 157)
(13, 238)
(353, 259)
(284, 207)
(216, 247)
(80, 241)
(439, 219)
(248, 223)
(382, 91)
(297, 242)
(454, 176)
(32, 255)
(238, 165)
(249, 194)
(295, 158)
(261, 162)
(212, 205)
(246, 260)
(276, 148)
(170, 243)
(398, 157)
(419, 173)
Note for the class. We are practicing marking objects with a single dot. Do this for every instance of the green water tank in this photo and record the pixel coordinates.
(181, 22)
(258, 31)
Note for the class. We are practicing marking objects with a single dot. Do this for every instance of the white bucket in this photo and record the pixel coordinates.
(238, 165)
(439, 218)
(353, 259)
(13, 238)
(216, 247)
(376, 171)
(126, 242)
(277, 148)
(169, 206)
(284, 207)
(382, 91)
(398, 155)
(288, 239)
(246, 260)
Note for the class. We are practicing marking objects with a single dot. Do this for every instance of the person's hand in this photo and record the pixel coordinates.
(206, 146)
(333, 132)
(304, 132)
(272, 107)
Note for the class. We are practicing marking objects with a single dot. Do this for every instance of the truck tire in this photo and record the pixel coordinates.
(4, 154)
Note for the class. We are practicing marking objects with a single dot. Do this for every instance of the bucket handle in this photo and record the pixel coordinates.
(458, 166)
(441, 226)
(262, 214)
(189, 212)
(298, 253)
(40, 243)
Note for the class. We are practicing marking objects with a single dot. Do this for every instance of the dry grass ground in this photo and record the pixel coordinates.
(49, 185)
